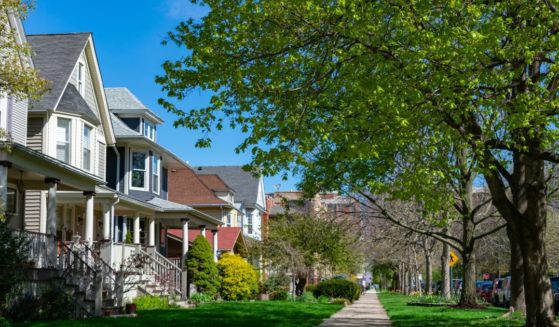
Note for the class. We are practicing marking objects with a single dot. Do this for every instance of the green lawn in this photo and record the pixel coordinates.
(403, 315)
(245, 314)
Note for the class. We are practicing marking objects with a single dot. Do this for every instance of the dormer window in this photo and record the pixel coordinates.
(149, 130)
(81, 77)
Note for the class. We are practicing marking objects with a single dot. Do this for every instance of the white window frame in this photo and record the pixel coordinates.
(156, 163)
(69, 141)
(80, 77)
(229, 220)
(148, 129)
(146, 170)
(250, 223)
(90, 148)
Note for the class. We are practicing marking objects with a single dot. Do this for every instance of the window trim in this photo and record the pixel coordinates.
(156, 159)
(81, 81)
(146, 170)
(91, 146)
(250, 228)
(16, 200)
(69, 141)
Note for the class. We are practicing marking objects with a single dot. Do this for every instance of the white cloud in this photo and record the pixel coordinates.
(184, 9)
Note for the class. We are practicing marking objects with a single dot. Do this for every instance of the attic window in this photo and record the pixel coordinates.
(81, 72)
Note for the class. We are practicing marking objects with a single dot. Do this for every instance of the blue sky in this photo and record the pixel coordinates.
(127, 37)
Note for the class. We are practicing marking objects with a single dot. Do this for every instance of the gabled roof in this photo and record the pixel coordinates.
(227, 237)
(55, 58)
(189, 189)
(73, 103)
(121, 100)
(244, 183)
(215, 183)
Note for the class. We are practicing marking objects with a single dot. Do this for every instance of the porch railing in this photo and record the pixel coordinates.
(38, 245)
(166, 273)
(175, 261)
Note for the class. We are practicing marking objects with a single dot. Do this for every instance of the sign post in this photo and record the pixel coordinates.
(452, 261)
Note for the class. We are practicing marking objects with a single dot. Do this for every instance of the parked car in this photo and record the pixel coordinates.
(555, 290)
(502, 292)
(484, 289)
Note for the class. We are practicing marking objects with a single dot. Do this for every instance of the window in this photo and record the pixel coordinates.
(138, 170)
(63, 144)
(228, 220)
(249, 223)
(149, 130)
(86, 164)
(11, 201)
(156, 169)
(81, 72)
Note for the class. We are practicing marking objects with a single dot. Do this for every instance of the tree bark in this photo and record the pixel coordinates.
(445, 258)
(517, 274)
(428, 272)
(300, 282)
(468, 294)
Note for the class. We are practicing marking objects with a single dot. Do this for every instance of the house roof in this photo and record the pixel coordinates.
(226, 238)
(55, 56)
(73, 103)
(215, 183)
(189, 189)
(121, 129)
(244, 183)
(121, 100)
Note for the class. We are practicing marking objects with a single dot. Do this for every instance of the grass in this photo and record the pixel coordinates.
(245, 314)
(403, 315)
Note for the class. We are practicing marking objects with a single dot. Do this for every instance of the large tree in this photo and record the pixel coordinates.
(338, 87)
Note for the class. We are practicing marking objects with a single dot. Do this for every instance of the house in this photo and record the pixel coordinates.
(249, 195)
(231, 240)
(333, 205)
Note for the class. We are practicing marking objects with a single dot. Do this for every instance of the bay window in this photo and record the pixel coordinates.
(86, 160)
(63, 139)
(155, 169)
(138, 163)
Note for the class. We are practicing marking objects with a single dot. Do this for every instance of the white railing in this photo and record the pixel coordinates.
(166, 273)
(37, 245)
(120, 253)
(175, 261)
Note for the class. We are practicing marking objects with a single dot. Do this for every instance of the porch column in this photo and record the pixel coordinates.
(124, 229)
(107, 209)
(184, 281)
(51, 220)
(136, 236)
(151, 229)
(89, 195)
(215, 245)
(4, 165)
(203, 230)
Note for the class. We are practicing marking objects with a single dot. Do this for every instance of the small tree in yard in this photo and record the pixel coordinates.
(239, 280)
(202, 270)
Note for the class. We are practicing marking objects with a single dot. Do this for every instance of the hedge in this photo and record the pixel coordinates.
(338, 288)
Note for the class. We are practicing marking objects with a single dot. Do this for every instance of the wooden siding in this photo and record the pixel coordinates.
(32, 211)
(35, 133)
(102, 152)
(89, 92)
(18, 124)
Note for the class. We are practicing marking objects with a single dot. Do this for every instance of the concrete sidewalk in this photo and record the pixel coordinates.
(367, 311)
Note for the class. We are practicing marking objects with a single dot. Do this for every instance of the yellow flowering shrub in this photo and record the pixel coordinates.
(238, 278)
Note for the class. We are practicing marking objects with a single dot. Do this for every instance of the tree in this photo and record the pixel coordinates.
(18, 77)
(238, 279)
(304, 243)
(201, 268)
(336, 89)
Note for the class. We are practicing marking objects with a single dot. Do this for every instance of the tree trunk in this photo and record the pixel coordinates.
(428, 272)
(301, 282)
(517, 274)
(468, 294)
(445, 258)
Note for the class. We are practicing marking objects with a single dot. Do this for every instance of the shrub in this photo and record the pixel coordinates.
(311, 288)
(150, 302)
(339, 300)
(323, 299)
(239, 280)
(202, 270)
(338, 288)
(56, 304)
(307, 297)
(279, 296)
(278, 282)
(4, 322)
(24, 308)
(198, 298)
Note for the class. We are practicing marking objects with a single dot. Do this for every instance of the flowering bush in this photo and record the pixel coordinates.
(238, 279)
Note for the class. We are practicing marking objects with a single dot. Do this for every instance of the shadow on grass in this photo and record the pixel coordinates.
(245, 314)
(403, 315)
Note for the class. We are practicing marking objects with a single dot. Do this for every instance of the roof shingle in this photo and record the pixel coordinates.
(244, 183)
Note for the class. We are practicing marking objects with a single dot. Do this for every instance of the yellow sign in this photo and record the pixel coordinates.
(453, 259)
